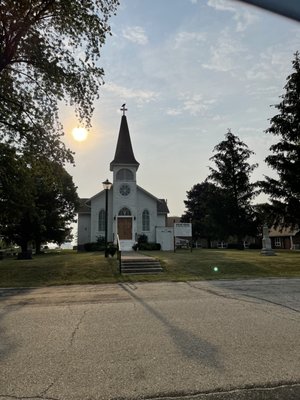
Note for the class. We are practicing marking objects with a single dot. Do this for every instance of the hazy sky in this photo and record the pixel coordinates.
(188, 70)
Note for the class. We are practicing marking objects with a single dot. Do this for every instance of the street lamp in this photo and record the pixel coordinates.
(106, 186)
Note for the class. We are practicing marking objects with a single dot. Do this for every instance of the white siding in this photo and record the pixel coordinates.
(97, 204)
(161, 220)
(84, 228)
(146, 202)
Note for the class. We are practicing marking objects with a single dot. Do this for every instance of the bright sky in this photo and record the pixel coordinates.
(187, 70)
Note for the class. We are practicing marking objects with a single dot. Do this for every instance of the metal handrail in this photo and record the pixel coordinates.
(119, 252)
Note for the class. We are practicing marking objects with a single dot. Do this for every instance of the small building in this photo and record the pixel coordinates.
(131, 211)
(285, 238)
(173, 220)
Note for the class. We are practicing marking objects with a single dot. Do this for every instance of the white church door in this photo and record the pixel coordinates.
(125, 228)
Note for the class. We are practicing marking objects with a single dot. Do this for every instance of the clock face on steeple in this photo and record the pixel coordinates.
(124, 190)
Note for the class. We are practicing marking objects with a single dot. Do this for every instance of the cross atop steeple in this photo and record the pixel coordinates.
(123, 108)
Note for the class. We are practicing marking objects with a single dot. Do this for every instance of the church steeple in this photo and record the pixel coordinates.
(124, 152)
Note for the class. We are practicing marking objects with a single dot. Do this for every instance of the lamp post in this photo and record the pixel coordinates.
(106, 186)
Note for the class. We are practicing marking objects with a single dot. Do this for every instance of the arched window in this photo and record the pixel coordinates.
(101, 221)
(124, 211)
(146, 220)
(124, 174)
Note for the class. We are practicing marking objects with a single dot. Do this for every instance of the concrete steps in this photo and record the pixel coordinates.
(138, 264)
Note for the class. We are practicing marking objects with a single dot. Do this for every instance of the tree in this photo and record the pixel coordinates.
(45, 209)
(49, 51)
(15, 186)
(206, 208)
(284, 190)
(232, 174)
(56, 202)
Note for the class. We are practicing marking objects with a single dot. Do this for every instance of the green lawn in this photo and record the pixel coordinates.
(68, 267)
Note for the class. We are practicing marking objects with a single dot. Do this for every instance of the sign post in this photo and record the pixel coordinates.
(182, 230)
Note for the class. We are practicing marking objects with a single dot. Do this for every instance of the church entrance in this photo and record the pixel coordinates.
(125, 228)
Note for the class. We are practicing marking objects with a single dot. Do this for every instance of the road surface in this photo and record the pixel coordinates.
(214, 340)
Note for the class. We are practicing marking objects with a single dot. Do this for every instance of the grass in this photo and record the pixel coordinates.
(231, 264)
(58, 268)
(68, 267)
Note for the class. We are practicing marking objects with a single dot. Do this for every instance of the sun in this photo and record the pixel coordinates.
(79, 134)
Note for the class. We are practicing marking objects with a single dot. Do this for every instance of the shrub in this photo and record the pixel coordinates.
(111, 250)
(101, 240)
(142, 239)
(255, 246)
(149, 246)
(93, 246)
(237, 246)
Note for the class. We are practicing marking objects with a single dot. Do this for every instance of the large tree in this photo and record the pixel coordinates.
(38, 200)
(49, 51)
(206, 207)
(15, 186)
(232, 174)
(284, 190)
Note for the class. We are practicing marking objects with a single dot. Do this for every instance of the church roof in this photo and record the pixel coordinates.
(124, 152)
(161, 204)
(162, 207)
(84, 207)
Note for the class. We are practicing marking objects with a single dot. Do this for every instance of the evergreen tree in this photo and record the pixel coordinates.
(232, 174)
(284, 190)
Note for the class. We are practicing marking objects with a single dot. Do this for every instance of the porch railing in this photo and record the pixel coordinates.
(119, 252)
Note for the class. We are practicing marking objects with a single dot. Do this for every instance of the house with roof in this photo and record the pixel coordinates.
(131, 210)
(285, 238)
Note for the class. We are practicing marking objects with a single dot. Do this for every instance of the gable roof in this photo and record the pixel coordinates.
(162, 207)
(124, 152)
(84, 207)
(281, 232)
(161, 204)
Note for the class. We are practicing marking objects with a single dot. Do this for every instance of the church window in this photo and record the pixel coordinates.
(124, 211)
(277, 242)
(101, 221)
(124, 174)
(146, 220)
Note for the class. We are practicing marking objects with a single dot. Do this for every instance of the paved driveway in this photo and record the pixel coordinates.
(201, 340)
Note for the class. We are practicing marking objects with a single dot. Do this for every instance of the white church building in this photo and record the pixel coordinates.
(131, 210)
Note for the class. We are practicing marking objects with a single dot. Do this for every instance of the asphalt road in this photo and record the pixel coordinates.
(216, 340)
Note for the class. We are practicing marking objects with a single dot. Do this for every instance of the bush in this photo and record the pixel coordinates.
(111, 250)
(255, 246)
(237, 246)
(93, 246)
(149, 246)
(142, 239)
(101, 240)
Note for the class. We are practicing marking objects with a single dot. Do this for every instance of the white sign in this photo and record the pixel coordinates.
(183, 229)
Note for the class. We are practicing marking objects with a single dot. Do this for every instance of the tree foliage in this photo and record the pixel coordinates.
(284, 190)
(38, 199)
(49, 51)
(232, 174)
(206, 208)
(15, 186)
